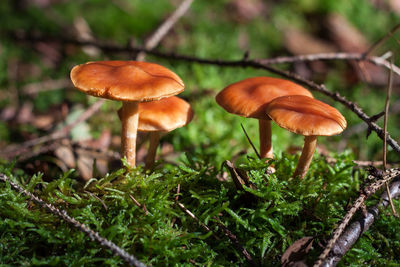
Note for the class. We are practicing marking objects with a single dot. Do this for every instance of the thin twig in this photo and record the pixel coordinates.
(379, 61)
(251, 143)
(191, 215)
(364, 195)
(58, 134)
(113, 48)
(130, 259)
(387, 103)
(165, 27)
(256, 65)
(178, 192)
(352, 233)
(152, 42)
(382, 40)
(45, 86)
(236, 242)
(97, 198)
(225, 230)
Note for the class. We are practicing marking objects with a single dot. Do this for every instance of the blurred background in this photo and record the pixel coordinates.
(37, 97)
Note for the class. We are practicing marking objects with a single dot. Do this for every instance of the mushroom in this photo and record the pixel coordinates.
(249, 98)
(131, 82)
(159, 117)
(309, 117)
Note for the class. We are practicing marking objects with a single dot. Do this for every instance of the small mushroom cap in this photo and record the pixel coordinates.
(249, 97)
(126, 80)
(306, 116)
(165, 115)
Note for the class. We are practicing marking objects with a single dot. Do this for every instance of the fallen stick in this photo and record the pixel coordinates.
(130, 259)
(352, 233)
(364, 195)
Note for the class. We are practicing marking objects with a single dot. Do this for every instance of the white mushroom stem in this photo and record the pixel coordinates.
(310, 143)
(266, 150)
(130, 119)
(151, 154)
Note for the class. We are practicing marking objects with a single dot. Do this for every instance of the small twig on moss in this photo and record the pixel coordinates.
(236, 242)
(191, 215)
(130, 259)
(97, 198)
(139, 205)
(352, 233)
(251, 143)
(364, 195)
(178, 191)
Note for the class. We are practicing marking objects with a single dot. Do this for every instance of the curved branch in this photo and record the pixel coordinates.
(256, 64)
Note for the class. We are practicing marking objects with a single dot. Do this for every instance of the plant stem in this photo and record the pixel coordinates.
(151, 154)
(266, 150)
(130, 121)
(310, 143)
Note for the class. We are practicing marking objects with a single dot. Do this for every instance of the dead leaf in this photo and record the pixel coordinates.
(349, 39)
(301, 43)
(346, 36)
(395, 6)
(245, 11)
(25, 113)
(85, 166)
(295, 254)
(84, 33)
(8, 113)
(102, 143)
(43, 122)
(91, 154)
(65, 154)
(50, 52)
(239, 176)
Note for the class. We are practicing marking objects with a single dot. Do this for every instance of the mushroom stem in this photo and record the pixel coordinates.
(151, 154)
(130, 121)
(266, 150)
(310, 143)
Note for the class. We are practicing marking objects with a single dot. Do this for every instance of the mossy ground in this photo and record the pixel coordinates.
(280, 211)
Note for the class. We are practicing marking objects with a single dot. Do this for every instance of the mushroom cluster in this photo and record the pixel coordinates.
(148, 104)
(134, 83)
(289, 105)
(250, 97)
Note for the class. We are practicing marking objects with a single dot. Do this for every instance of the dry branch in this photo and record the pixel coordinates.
(352, 233)
(364, 195)
(13, 151)
(245, 62)
(130, 259)
(379, 61)
(165, 27)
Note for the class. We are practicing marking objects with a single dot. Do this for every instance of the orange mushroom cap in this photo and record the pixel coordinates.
(126, 80)
(306, 116)
(164, 115)
(249, 97)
